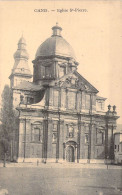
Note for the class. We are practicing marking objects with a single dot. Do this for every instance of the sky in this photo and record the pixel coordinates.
(95, 35)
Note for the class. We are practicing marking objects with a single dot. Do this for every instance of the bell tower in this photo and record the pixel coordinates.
(20, 71)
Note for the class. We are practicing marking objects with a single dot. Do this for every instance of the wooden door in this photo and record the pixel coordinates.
(70, 154)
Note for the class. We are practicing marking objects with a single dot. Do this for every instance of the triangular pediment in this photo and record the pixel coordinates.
(75, 81)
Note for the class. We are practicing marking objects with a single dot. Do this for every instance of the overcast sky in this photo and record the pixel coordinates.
(95, 35)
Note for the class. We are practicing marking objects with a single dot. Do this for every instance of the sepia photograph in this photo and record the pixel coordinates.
(61, 97)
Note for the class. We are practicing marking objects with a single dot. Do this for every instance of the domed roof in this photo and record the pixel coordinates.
(55, 46)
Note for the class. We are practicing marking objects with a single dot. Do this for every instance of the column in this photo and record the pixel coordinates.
(58, 138)
(89, 145)
(83, 101)
(51, 97)
(79, 101)
(78, 137)
(82, 142)
(21, 143)
(110, 142)
(50, 133)
(45, 136)
(56, 69)
(47, 97)
(66, 98)
(61, 140)
(93, 141)
(28, 138)
(106, 140)
(90, 129)
(25, 138)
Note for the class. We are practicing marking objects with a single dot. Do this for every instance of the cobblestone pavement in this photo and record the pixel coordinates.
(63, 165)
(60, 179)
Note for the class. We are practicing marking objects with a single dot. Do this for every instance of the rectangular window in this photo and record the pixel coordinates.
(47, 71)
(99, 137)
(28, 100)
(71, 100)
(62, 71)
(36, 135)
(42, 72)
(100, 105)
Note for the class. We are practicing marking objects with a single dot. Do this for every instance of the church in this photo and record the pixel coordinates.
(61, 116)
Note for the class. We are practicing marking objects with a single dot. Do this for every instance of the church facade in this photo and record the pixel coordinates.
(61, 117)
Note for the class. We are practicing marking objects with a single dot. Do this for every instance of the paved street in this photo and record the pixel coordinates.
(60, 180)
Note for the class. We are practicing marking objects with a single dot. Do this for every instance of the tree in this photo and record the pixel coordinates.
(5, 147)
(9, 122)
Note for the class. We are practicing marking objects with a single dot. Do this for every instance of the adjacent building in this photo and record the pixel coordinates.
(61, 116)
(118, 147)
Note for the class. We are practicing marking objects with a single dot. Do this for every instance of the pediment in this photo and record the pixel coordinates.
(75, 81)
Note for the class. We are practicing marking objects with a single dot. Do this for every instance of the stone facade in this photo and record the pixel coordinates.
(118, 147)
(61, 116)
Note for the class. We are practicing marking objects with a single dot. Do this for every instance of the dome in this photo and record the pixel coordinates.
(55, 46)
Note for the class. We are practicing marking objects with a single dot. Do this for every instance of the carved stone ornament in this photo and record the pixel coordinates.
(100, 130)
(58, 83)
(68, 80)
(77, 82)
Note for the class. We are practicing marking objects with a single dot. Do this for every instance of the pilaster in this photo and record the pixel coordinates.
(58, 139)
(82, 142)
(93, 137)
(45, 136)
(78, 137)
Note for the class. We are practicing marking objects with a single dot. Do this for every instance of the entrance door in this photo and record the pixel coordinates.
(70, 154)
